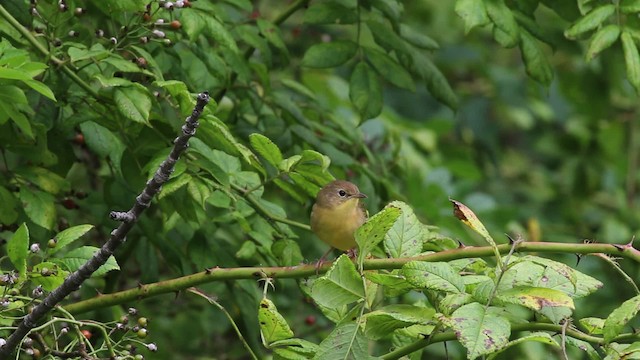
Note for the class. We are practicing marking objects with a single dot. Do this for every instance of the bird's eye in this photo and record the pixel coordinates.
(342, 193)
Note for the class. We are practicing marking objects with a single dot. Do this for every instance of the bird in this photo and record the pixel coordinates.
(337, 213)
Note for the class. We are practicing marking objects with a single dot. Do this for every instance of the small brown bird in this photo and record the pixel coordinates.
(338, 213)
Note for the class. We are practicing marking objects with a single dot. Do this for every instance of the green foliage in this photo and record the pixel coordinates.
(520, 109)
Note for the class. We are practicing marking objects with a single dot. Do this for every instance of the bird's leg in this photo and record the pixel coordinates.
(321, 261)
(352, 253)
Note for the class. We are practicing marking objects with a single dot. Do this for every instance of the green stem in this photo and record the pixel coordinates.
(302, 271)
(45, 52)
(264, 212)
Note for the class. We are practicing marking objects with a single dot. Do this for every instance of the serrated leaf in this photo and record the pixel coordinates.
(383, 322)
(631, 60)
(192, 23)
(506, 29)
(372, 232)
(77, 257)
(436, 82)
(480, 330)
(346, 341)
(365, 91)
(536, 298)
(619, 317)
(39, 207)
(273, 327)
(328, 55)
(68, 236)
(44, 179)
(473, 12)
(18, 249)
(603, 38)
(174, 184)
(404, 239)
(589, 22)
(438, 276)
(342, 285)
(535, 61)
(134, 103)
(390, 69)
(266, 148)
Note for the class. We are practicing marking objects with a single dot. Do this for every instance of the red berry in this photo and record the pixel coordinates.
(87, 334)
(79, 139)
(175, 24)
(310, 320)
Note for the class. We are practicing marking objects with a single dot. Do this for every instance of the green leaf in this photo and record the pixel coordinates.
(271, 33)
(387, 37)
(383, 322)
(619, 317)
(506, 29)
(630, 6)
(404, 239)
(103, 142)
(18, 249)
(295, 349)
(266, 148)
(589, 22)
(134, 103)
(537, 336)
(174, 185)
(192, 23)
(41, 88)
(536, 298)
(346, 341)
(417, 39)
(593, 325)
(438, 276)
(77, 257)
(44, 179)
(604, 38)
(273, 327)
(199, 191)
(220, 34)
(39, 207)
(68, 236)
(287, 251)
(480, 330)
(8, 205)
(390, 69)
(327, 12)
(331, 54)
(535, 61)
(341, 286)
(54, 275)
(437, 84)
(365, 91)
(393, 283)
(631, 60)
(372, 232)
(473, 12)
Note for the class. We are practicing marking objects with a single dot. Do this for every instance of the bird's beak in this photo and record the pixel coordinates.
(360, 196)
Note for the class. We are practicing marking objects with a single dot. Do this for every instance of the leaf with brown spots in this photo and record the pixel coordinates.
(480, 330)
(273, 326)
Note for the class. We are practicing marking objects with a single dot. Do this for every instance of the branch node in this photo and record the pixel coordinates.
(123, 216)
